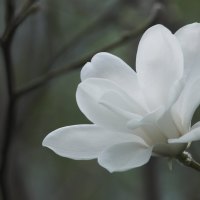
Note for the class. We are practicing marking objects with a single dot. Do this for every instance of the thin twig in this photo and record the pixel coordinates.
(9, 4)
(6, 45)
(84, 32)
(12, 24)
(28, 8)
(186, 159)
(77, 64)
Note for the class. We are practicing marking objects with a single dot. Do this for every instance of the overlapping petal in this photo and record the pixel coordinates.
(124, 156)
(189, 39)
(186, 105)
(159, 65)
(191, 136)
(167, 126)
(135, 114)
(90, 95)
(107, 66)
(148, 124)
(84, 141)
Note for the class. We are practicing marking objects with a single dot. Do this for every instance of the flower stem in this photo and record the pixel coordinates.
(186, 159)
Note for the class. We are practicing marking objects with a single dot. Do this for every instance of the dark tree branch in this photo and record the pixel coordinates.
(6, 45)
(29, 8)
(9, 4)
(38, 82)
(12, 23)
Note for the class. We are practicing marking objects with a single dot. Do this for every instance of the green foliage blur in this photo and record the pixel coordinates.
(79, 28)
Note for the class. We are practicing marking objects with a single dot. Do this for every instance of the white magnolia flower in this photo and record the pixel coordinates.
(137, 114)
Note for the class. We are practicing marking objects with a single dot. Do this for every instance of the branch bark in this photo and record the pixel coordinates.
(186, 159)
(6, 47)
(12, 23)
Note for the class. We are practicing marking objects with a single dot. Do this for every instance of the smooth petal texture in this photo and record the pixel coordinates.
(84, 141)
(89, 98)
(113, 99)
(169, 150)
(107, 66)
(167, 126)
(149, 118)
(159, 65)
(191, 136)
(174, 93)
(151, 132)
(196, 125)
(186, 105)
(125, 156)
(189, 38)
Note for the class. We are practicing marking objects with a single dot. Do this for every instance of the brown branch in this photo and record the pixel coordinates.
(9, 11)
(38, 82)
(28, 8)
(12, 23)
(186, 159)
(6, 45)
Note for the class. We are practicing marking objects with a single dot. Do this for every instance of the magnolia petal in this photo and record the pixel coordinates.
(196, 125)
(159, 65)
(189, 38)
(149, 118)
(117, 100)
(191, 136)
(186, 105)
(167, 125)
(107, 66)
(149, 126)
(169, 150)
(84, 141)
(174, 93)
(125, 156)
(89, 96)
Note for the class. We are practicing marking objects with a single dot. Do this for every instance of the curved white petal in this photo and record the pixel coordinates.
(151, 132)
(159, 65)
(167, 125)
(90, 94)
(196, 125)
(149, 118)
(186, 105)
(191, 136)
(84, 141)
(125, 156)
(169, 150)
(120, 101)
(189, 38)
(174, 93)
(107, 66)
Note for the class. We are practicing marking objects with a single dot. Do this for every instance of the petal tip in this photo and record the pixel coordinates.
(44, 142)
(176, 140)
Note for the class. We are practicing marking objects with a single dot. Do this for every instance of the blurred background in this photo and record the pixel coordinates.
(63, 35)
